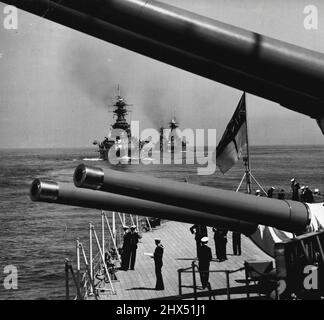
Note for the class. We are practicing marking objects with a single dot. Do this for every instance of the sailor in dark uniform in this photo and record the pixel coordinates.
(133, 240)
(236, 241)
(308, 195)
(200, 231)
(295, 189)
(125, 254)
(220, 238)
(270, 192)
(302, 194)
(158, 257)
(204, 257)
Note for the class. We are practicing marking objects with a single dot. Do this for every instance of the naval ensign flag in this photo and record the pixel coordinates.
(229, 149)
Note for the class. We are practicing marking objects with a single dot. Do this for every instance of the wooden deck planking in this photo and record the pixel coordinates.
(179, 252)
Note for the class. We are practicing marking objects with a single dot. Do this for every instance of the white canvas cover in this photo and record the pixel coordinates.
(266, 237)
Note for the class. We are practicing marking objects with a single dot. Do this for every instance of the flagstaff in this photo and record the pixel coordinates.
(247, 162)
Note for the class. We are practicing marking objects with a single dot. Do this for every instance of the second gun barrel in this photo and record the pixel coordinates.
(286, 215)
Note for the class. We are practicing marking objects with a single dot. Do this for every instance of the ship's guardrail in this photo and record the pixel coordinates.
(100, 267)
(212, 293)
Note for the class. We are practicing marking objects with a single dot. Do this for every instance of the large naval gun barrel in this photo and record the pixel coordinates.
(64, 193)
(286, 215)
(248, 61)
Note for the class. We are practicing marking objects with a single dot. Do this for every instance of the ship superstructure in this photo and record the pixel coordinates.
(119, 136)
(123, 143)
(174, 140)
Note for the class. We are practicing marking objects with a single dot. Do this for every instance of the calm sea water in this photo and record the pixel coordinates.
(37, 237)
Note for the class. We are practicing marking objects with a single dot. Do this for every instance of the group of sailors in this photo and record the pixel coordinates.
(299, 193)
(131, 238)
(128, 254)
(204, 252)
(220, 239)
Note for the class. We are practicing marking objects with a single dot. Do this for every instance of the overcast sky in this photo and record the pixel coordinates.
(56, 83)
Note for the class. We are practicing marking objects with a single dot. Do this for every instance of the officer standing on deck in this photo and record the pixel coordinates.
(125, 254)
(236, 241)
(223, 236)
(204, 257)
(158, 257)
(308, 195)
(217, 243)
(220, 238)
(270, 192)
(200, 231)
(302, 194)
(133, 240)
(295, 189)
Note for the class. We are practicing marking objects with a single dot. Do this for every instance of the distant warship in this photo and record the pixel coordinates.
(119, 136)
(123, 143)
(174, 142)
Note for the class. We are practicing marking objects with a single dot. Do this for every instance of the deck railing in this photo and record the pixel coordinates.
(98, 268)
(265, 283)
(193, 269)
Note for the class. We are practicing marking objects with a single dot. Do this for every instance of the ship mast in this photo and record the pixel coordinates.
(118, 90)
(120, 111)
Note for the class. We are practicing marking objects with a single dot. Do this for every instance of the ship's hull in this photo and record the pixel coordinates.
(129, 151)
(120, 151)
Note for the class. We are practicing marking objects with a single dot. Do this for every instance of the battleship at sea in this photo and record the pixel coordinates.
(123, 144)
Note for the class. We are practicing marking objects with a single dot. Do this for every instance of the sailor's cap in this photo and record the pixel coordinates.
(307, 187)
(258, 191)
(316, 190)
(133, 226)
(157, 239)
(302, 187)
(125, 227)
(204, 239)
(293, 179)
(273, 188)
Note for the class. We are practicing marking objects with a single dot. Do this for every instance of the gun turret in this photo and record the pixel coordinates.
(291, 216)
(248, 61)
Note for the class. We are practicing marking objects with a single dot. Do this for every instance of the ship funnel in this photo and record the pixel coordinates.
(286, 215)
